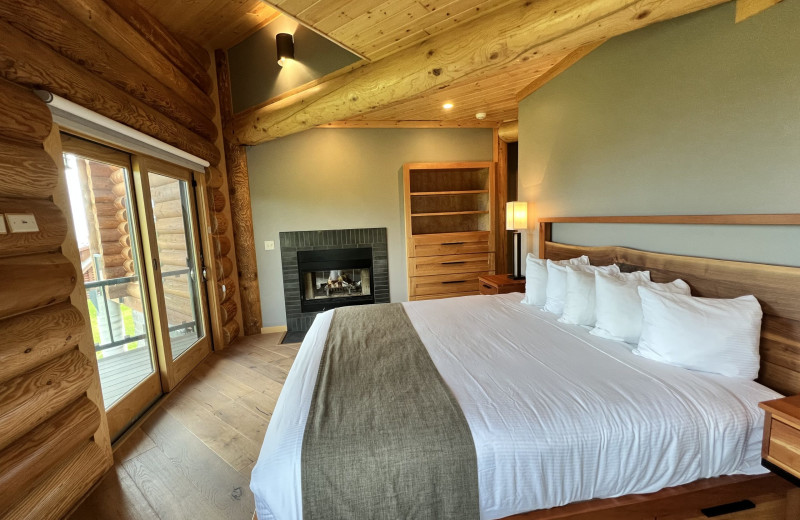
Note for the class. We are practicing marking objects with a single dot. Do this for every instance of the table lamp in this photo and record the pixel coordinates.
(517, 219)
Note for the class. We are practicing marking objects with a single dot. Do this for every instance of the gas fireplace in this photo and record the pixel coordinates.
(334, 278)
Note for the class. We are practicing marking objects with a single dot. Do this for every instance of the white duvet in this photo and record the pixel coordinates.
(557, 415)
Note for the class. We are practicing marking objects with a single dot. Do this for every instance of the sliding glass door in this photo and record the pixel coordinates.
(172, 248)
(136, 226)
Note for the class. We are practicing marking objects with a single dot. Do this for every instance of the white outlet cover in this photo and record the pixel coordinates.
(22, 223)
(269, 245)
(3, 230)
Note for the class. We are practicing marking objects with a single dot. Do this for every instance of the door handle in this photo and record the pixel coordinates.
(156, 264)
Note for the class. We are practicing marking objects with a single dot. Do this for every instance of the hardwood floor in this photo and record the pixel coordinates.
(193, 455)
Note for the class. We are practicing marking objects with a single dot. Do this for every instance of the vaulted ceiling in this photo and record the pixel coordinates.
(479, 55)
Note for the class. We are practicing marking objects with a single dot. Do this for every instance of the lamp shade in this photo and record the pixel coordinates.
(516, 215)
(284, 42)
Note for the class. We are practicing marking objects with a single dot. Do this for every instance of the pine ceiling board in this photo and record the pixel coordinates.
(386, 17)
(354, 9)
(418, 29)
(211, 23)
(495, 95)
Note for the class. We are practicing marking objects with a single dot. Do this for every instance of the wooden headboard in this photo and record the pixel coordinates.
(776, 287)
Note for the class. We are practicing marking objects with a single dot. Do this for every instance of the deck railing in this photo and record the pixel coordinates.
(99, 287)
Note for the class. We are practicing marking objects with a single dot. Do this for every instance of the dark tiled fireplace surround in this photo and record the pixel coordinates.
(297, 321)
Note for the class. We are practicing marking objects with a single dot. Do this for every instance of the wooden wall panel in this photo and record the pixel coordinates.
(35, 281)
(34, 338)
(26, 170)
(32, 63)
(24, 117)
(29, 458)
(52, 227)
(50, 23)
(241, 206)
(112, 28)
(60, 490)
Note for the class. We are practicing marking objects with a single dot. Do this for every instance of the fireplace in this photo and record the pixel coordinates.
(332, 278)
(330, 268)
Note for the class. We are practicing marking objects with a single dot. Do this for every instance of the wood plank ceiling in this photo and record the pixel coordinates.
(214, 24)
(375, 29)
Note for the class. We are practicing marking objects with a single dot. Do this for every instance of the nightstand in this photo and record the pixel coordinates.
(780, 451)
(500, 284)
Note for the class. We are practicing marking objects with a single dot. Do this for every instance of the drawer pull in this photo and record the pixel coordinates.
(456, 281)
(452, 243)
(488, 286)
(453, 263)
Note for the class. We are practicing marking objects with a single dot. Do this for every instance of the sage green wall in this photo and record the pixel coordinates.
(695, 115)
(339, 179)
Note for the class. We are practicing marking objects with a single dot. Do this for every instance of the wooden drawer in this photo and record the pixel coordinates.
(451, 264)
(441, 296)
(784, 446)
(450, 244)
(446, 284)
(486, 288)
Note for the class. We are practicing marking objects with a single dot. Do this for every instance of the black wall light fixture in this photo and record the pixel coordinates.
(285, 45)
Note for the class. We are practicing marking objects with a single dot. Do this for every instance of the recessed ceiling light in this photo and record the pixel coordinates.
(447, 106)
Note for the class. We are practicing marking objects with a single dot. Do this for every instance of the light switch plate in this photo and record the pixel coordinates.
(269, 245)
(22, 223)
(3, 230)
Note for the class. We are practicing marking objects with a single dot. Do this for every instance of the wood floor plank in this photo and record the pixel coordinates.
(193, 457)
(245, 374)
(284, 350)
(116, 497)
(223, 486)
(167, 491)
(225, 384)
(233, 447)
(136, 443)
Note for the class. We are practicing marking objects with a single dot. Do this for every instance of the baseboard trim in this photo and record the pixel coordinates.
(270, 330)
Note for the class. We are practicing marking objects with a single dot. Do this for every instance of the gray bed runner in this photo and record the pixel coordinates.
(385, 438)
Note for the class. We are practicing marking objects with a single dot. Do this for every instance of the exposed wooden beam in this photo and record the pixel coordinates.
(571, 59)
(411, 124)
(747, 8)
(509, 132)
(523, 31)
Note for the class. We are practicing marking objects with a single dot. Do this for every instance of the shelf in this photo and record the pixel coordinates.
(461, 192)
(448, 213)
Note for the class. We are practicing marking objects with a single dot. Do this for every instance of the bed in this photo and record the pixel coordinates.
(619, 424)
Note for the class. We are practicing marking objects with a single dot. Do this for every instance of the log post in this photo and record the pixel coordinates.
(241, 209)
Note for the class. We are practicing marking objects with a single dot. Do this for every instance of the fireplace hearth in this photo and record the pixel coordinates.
(331, 268)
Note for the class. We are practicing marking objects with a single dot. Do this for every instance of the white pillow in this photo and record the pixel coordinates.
(557, 284)
(707, 334)
(619, 307)
(536, 277)
(579, 306)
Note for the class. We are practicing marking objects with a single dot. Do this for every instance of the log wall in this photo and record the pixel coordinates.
(51, 411)
(114, 59)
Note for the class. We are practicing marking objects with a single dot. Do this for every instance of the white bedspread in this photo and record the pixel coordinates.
(557, 415)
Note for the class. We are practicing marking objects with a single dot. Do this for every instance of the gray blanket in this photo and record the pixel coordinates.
(385, 438)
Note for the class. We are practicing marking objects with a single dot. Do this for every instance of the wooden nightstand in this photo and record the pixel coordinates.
(500, 284)
(780, 451)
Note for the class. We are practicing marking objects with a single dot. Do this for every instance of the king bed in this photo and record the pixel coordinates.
(556, 415)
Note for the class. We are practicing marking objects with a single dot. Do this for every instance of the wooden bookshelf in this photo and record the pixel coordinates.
(449, 227)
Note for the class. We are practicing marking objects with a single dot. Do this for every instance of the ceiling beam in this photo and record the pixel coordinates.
(526, 30)
(359, 123)
(747, 8)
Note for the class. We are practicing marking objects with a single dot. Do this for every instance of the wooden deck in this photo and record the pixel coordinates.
(121, 372)
(192, 457)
